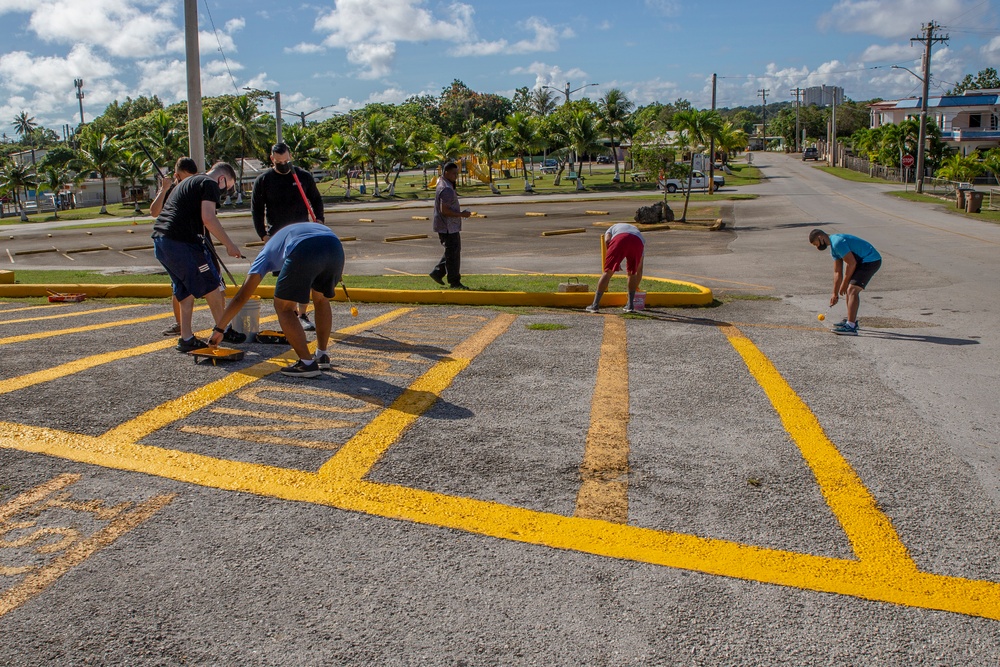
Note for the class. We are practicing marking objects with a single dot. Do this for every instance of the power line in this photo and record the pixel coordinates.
(219, 42)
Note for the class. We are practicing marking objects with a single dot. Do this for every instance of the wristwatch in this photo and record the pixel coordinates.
(218, 330)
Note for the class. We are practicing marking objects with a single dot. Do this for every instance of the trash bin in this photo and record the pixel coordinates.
(973, 201)
(960, 197)
(361, 188)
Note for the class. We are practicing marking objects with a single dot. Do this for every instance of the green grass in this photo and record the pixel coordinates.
(851, 175)
(546, 326)
(988, 216)
(482, 282)
(88, 213)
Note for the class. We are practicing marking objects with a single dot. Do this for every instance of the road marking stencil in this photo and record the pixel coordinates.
(882, 569)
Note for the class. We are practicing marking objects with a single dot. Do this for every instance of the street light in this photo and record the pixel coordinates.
(302, 115)
(567, 92)
(923, 127)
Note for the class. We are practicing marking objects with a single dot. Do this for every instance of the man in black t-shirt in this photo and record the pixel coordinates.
(283, 195)
(179, 243)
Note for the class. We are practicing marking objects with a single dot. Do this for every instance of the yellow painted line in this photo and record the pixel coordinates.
(52, 306)
(29, 498)
(870, 532)
(90, 327)
(362, 451)
(604, 491)
(535, 214)
(79, 365)
(404, 273)
(179, 408)
(405, 237)
(597, 212)
(419, 217)
(559, 232)
(78, 313)
(719, 280)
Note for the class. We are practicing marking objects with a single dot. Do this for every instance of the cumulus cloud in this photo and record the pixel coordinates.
(892, 18)
(305, 48)
(664, 7)
(551, 75)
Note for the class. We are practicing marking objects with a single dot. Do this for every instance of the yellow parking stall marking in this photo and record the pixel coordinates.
(51, 306)
(78, 313)
(264, 433)
(90, 327)
(870, 532)
(604, 491)
(361, 452)
(179, 408)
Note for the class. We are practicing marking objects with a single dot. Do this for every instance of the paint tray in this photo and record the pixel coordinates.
(55, 297)
(216, 354)
(271, 337)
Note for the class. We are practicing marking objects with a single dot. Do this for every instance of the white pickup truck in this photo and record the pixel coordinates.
(699, 181)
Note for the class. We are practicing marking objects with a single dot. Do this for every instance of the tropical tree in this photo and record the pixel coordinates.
(523, 135)
(54, 177)
(25, 126)
(961, 168)
(490, 143)
(303, 144)
(615, 109)
(543, 102)
(163, 137)
(991, 163)
(101, 154)
(373, 140)
(730, 139)
(250, 132)
(15, 178)
(342, 156)
(584, 139)
(400, 153)
(133, 171)
(700, 127)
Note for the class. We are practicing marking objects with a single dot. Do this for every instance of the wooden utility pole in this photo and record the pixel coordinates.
(798, 130)
(928, 39)
(763, 114)
(711, 148)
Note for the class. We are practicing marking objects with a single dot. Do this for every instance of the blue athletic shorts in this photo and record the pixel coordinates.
(190, 265)
(315, 263)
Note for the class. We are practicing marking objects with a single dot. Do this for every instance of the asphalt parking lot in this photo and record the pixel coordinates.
(728, 485)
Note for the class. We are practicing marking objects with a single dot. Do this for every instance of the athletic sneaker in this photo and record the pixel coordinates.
(628, 309)
(234, 336)
(192, 343)
(173, 330)
(436, 278)
(302, 369)
(846, 329)
(306, 324)
(457, 286)
(844, 321)
(323, 360)
(592, 309)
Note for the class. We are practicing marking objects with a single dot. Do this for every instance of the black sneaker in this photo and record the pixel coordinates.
(436, 278)
(192, 343)
(173, 330)
(323, 361)
(234, 336)
(302, 369)
(458, 286)
(306, 324)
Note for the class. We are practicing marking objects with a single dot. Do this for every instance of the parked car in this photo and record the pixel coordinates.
(603, 159)
(811, 153)
(699, 181)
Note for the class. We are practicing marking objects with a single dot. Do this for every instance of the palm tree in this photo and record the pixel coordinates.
(248, 130)
(615, 109)
(55, 177)
(15, 177)
(399, 154)
(523, 134)
(25, 126)
(447, 149)
(373, 140)
(543, 102)
(699, 126)
(342, 156)
(101, 154)
(302, 142)
(490, 142)
(163, 138)
(961, 168)
(730, 139)
(133, 172)
(583, 139)
(991, 162)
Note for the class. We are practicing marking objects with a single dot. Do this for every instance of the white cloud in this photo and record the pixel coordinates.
(20, 71)
(992, 52)
(892, 18)
(305, 48)
(664, 7)
(376, 58)
(388, 96)
(546, 38)
(889, 53)
(551, 75)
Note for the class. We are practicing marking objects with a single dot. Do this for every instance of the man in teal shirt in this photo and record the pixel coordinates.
(855, 261)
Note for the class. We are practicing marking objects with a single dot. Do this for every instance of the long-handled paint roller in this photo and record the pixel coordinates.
(354, 311)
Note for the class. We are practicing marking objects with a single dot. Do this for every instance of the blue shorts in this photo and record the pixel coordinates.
(190, 265)
(315, 263)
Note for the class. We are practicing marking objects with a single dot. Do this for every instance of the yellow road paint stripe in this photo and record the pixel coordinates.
(79, 313)
(90, 327)
(37, 581)
(179, 408)
(718, 280)
(51, 306)
(601, 538)
(29, 498)
(79, 365)
(604, 491)
(362, 451)
(870, 532)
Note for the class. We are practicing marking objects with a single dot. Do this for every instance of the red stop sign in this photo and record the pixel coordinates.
(908, 160)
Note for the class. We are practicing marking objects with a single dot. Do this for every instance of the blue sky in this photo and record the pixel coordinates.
(346, 53)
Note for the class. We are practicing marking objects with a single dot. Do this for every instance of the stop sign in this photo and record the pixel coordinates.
(908, 160)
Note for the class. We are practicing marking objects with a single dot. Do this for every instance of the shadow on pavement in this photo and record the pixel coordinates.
(917, 338)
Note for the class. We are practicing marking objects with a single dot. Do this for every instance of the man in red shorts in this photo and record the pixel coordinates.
(624, 243)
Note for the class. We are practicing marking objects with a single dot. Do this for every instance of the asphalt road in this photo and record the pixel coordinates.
(731, 485)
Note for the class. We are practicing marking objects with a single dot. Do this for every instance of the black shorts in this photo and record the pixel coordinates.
(315, 263)
(864, 272)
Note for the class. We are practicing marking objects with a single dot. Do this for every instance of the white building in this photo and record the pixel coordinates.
(968, 122)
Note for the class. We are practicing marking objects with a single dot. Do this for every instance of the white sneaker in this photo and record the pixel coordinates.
(592, 309)
(628, 309)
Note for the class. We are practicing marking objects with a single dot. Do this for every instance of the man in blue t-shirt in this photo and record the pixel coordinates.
(310, 259)
(861, 260)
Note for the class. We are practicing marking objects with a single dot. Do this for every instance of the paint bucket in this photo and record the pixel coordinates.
(639, 302)
(247, 321)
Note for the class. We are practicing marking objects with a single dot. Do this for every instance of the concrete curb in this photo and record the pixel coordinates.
(444, 297)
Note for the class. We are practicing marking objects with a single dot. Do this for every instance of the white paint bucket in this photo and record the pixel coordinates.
(639, 302)
(248, 319)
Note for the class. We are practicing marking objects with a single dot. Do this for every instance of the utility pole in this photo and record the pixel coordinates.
(928, 39)
(567, 92)
(277, 117)
(833, 129)
(196, 126)
(711, 147)
(798, 131)
(763, 114)
(79, 96)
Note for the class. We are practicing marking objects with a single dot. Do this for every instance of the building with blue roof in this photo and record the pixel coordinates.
(968, 122)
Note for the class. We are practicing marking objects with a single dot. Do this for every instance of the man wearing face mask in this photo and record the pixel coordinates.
(283, 195)
(855, 261)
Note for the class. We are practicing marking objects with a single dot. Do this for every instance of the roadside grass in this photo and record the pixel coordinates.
(851, 175)
(948, 205)
(86, 213)
(546, 326)
(480, 282)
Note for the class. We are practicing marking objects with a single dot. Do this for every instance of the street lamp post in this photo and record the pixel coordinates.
(302, 115)
(567, 92)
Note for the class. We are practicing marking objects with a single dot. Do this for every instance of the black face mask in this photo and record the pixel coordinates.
(283, 167)
(822, 246)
